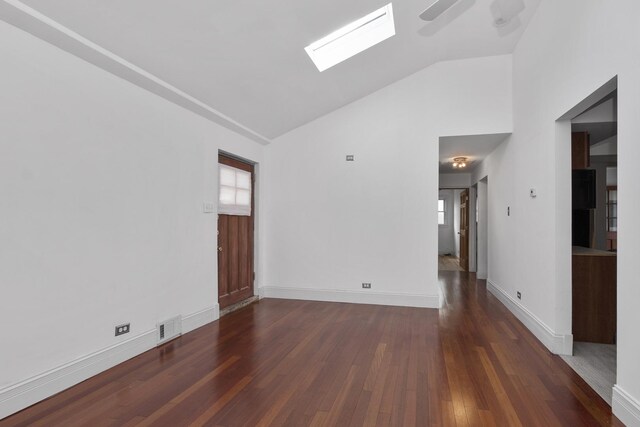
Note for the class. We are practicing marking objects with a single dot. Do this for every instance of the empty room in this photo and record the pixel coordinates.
(319, 213)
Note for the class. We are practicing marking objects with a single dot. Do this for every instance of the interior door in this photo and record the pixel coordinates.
(235, 248)
(464, 230)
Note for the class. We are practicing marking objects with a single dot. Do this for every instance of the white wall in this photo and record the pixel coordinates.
(607, 147)
(454, 180)
(570, 49)
(496, 195)
(612, 176)
(335, 224)
(102, 187)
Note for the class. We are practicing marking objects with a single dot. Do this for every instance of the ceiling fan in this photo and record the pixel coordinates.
(503, 10)
(436, 9)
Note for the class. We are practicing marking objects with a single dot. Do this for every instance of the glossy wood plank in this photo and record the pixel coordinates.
(302, 363)
(449, 263)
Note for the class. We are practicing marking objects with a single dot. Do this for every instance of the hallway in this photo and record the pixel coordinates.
(449, 263)
(284, 362)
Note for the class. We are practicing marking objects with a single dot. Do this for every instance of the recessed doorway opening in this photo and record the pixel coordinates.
(454, 229)
(590, 135)
(463, 202)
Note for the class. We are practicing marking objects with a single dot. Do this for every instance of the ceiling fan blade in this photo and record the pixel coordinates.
(436, 9)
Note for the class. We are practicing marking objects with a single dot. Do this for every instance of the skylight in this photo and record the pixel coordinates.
(352, 38)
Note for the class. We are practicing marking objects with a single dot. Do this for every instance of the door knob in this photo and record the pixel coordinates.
(219, 248)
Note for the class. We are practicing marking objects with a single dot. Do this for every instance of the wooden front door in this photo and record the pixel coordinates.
(235, 248)
(464, 230)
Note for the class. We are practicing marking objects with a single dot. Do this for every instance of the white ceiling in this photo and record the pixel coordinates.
(246, 59)
(474, 147)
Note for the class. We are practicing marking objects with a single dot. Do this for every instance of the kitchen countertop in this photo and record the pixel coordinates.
(580, 251)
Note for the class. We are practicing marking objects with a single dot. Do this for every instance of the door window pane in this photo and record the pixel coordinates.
(234, 191)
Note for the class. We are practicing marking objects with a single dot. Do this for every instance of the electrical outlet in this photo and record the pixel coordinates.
(366, 286)
(519, 295)
(123, 329)
(350, 158)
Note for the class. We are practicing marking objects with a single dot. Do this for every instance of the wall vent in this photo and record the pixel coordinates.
(169, 329)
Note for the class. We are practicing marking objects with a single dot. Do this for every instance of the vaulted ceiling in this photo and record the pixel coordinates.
(246, 59)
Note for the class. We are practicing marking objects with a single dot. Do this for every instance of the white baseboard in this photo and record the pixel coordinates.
(21, 395)
(625, 407)
(556, 343)
(333, 295)
(200, 318)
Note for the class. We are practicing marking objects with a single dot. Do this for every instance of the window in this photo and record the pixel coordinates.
(235, 191)
(441, 212)
(353, 38)
(612, 208)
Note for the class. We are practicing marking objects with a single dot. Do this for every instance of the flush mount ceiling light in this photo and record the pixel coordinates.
(352, 38)
(460, 162)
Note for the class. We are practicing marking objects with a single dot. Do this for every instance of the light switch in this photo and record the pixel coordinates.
(208, 207)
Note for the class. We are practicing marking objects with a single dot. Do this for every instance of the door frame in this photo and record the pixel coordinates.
(255, 215)
(472, 224)
(481, 224)
(563, 217)
(467, 234)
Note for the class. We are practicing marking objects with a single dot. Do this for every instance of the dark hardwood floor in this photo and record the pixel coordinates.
(301, 363)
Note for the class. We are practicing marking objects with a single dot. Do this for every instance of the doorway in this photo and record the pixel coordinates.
(235, 231)
(454, 229)
(594, 218)
(463, 232)
(454, 178)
